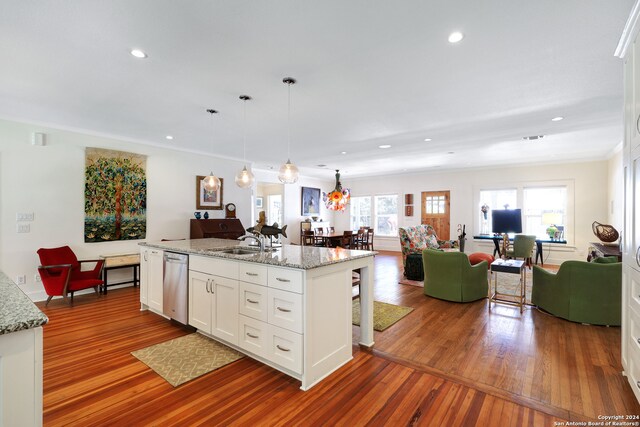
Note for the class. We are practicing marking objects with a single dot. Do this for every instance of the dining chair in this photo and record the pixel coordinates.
(331, 230)
(348, 240)
(369, 244)
(361, 239)
(308, 238)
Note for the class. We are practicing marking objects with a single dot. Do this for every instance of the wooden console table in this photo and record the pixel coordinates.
(117, 261)
(539, 242)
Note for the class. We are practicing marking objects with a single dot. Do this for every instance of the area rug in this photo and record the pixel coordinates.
(183, 359)
(384, 314)
(507, 284)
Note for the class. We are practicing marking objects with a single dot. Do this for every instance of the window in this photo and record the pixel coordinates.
(360, 212)
(386, 215)
(435, 204)
(543, 207)
(493, 200)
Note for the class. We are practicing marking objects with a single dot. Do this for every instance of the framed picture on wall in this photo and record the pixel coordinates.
(310, 201)
(208, 200)
(259, 202)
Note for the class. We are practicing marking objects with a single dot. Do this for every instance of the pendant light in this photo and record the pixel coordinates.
(338, 198)
(288, 172)
(211, 182)
(244, 178)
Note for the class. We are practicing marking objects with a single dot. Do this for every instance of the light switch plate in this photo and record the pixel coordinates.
(23, 228)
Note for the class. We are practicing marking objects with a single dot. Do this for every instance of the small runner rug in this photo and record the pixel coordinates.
(183, 359)
(384, 315)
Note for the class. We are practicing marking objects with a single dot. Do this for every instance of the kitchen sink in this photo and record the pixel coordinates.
(240, 251)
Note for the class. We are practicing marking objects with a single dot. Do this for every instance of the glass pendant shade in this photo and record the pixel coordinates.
(211, 182)
(244, 178)
(288, 173)
(338, 198)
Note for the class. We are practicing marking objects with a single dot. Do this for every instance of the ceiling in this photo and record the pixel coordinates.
(370, 72)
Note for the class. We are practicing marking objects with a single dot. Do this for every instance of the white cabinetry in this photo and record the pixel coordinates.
(295, 320)
(629, 50)
(271, 314)
(21, 378)
(213, 298)
(151, 277)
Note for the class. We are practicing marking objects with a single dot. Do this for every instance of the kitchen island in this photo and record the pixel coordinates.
(289, 308)
(20, 357)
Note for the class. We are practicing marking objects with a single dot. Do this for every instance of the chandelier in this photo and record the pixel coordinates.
(338, 198)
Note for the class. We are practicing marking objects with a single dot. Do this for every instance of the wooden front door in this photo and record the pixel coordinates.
(435, 212)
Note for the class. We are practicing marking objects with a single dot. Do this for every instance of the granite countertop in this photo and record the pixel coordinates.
(293, 256)
(17, 311)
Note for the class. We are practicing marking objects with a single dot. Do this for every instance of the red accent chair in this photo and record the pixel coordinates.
(61, 273)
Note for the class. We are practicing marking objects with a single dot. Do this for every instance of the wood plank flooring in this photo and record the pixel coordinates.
(444, 364)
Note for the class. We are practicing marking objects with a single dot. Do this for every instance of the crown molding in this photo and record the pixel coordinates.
(630, 31)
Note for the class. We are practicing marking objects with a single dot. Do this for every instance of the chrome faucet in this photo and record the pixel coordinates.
(251, 236)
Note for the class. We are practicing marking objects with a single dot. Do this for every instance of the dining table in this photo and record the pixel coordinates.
(333, 239)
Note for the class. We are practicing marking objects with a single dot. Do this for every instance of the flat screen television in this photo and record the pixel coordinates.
(507, 221)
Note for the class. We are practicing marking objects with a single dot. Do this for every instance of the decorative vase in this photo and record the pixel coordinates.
(197, 215)
(206, 215)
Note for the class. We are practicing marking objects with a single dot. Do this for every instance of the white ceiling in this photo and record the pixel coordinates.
(369, 72)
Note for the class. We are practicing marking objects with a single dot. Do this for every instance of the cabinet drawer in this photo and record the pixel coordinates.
(253, 301)
(285, 279)
(285, 348)
(285, 310)
(219, 267)
(253, 273)
(253, 335)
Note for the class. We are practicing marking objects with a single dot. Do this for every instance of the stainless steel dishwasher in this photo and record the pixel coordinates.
(175, 285)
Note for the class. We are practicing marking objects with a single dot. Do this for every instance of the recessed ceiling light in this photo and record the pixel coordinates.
(343, 152)
(533, 137)
(427, 139)
(138, 53)
(451, 152)
(322, 166)
(557, 119)
(455, 37)
(169, 137)
(384, 146)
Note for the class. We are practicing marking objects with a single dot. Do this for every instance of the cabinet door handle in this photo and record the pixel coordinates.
(279, 279)
(638, 340)
(638, 256)
(252, 336)
(252, 301)
(284, 310)
(206, 287)
(145, 256)
(638, 123)
(213, 282)
(286, 349)
(638, 384)
(251, 274)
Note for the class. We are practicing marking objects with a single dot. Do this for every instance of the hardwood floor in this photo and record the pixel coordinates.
(444, 364)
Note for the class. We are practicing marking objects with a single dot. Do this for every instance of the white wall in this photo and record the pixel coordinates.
(49, 181)
(292, 200)
(590, 201)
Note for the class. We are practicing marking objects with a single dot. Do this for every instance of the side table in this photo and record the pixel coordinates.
(512, 267)
(414, 269)
(117, 261)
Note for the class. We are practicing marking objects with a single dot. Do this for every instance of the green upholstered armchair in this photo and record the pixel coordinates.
(522, 247)
(450, 276)
(585, 292)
